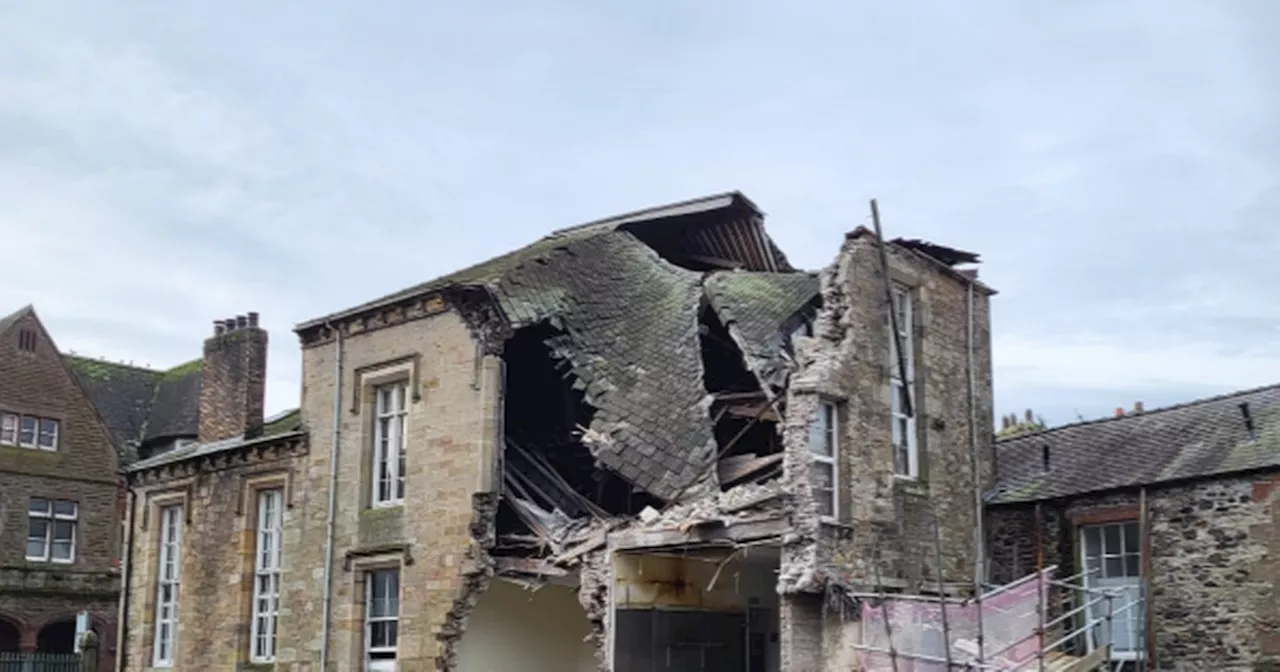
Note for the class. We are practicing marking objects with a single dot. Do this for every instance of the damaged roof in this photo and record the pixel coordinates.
(624, 296)
(1199, 439)
(628, 326)
(755, 307)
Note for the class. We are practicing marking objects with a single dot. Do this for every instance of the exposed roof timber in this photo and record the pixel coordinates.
(948, 255)
(689, 207)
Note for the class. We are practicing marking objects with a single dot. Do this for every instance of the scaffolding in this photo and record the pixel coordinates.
(1037, 623)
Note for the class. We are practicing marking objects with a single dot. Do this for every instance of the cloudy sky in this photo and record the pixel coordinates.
(1116, 163)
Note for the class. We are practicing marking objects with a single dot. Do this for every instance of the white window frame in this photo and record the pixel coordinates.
(824, 438)
(9, 423)
(35, 431)
(168, 585)
(266, 576)
(390, 421)
(901, 423)
(371, 583)
(51, 518)
(57, 430)
(1135, 616)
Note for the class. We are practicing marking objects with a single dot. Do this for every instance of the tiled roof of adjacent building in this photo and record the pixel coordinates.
(1200, 439)
(140, 404)
(287, 423)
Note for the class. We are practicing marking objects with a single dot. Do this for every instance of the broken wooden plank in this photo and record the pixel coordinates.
(732, 472)
(763, 411)
(536, 566)
(709, 532)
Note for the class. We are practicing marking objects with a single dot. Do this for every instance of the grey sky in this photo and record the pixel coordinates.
(1116, 163)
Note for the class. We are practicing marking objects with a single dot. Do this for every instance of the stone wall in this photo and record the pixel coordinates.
(218, 546)
(82, 469)
(1213, 569)
(847, 361)
(437, 536)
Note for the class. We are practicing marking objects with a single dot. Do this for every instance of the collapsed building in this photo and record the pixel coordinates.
(644, 443)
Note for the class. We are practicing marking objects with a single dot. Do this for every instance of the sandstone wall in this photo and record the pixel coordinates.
(451, 440)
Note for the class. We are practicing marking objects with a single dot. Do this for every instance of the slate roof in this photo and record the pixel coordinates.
(754, 306)
(123, 394)
(1199, 439)
(287, 423)
(139, 404)
(628, 326)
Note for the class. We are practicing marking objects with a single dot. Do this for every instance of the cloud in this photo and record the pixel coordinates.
(1115, 163)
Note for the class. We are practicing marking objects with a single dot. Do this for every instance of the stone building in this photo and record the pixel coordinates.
(1179, 505)
(643, 443)
(59, 499)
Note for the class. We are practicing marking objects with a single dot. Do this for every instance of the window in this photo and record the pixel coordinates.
(381, 621)
(28, 431)
(906, 453)
(9, 429)
(388, 444)
(27, 340)
(1112, 556)
(48, 437)
(51, 530)
(823, 447)
(168, 576)
(266, 585)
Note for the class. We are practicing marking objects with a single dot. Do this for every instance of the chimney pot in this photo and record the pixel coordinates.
(241, 321)
(1119, 412)
(253, 319)
(1137, 407)
(231, 323)
(218, 327)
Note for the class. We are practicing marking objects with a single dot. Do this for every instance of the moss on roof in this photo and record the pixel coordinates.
(100, 369)
(287, 421)
(182, 370)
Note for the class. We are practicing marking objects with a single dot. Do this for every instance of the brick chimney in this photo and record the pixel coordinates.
(234, 379)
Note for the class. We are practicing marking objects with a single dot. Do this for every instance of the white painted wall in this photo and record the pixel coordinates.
(532, 631)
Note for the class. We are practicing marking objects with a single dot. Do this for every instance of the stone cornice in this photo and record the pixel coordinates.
(287, 446)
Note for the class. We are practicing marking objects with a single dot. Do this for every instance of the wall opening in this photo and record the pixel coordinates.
(513, 628)
(703, 610)
(746, 425)
(550, 478)
(57, 637)
(10, 636)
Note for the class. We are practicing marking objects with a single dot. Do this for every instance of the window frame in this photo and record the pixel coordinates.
(16, 420)
(169, 555)
(397, 421)
(900, 423)
(367, 648)
(1134, 616)
(828, 415)
(51, 518)
(268, 553)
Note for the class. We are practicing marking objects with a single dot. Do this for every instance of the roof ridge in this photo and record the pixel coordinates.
(93, 360)
(1172, 407)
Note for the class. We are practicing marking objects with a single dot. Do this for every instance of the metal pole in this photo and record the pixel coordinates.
(942, 590)
(884, 605)
(1111, 633)
(1041, 607)
(908, 402)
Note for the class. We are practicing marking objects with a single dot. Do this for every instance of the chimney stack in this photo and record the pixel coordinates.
(1137, 407)
(233, 382)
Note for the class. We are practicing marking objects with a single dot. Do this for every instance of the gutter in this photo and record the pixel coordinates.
(327, 599)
